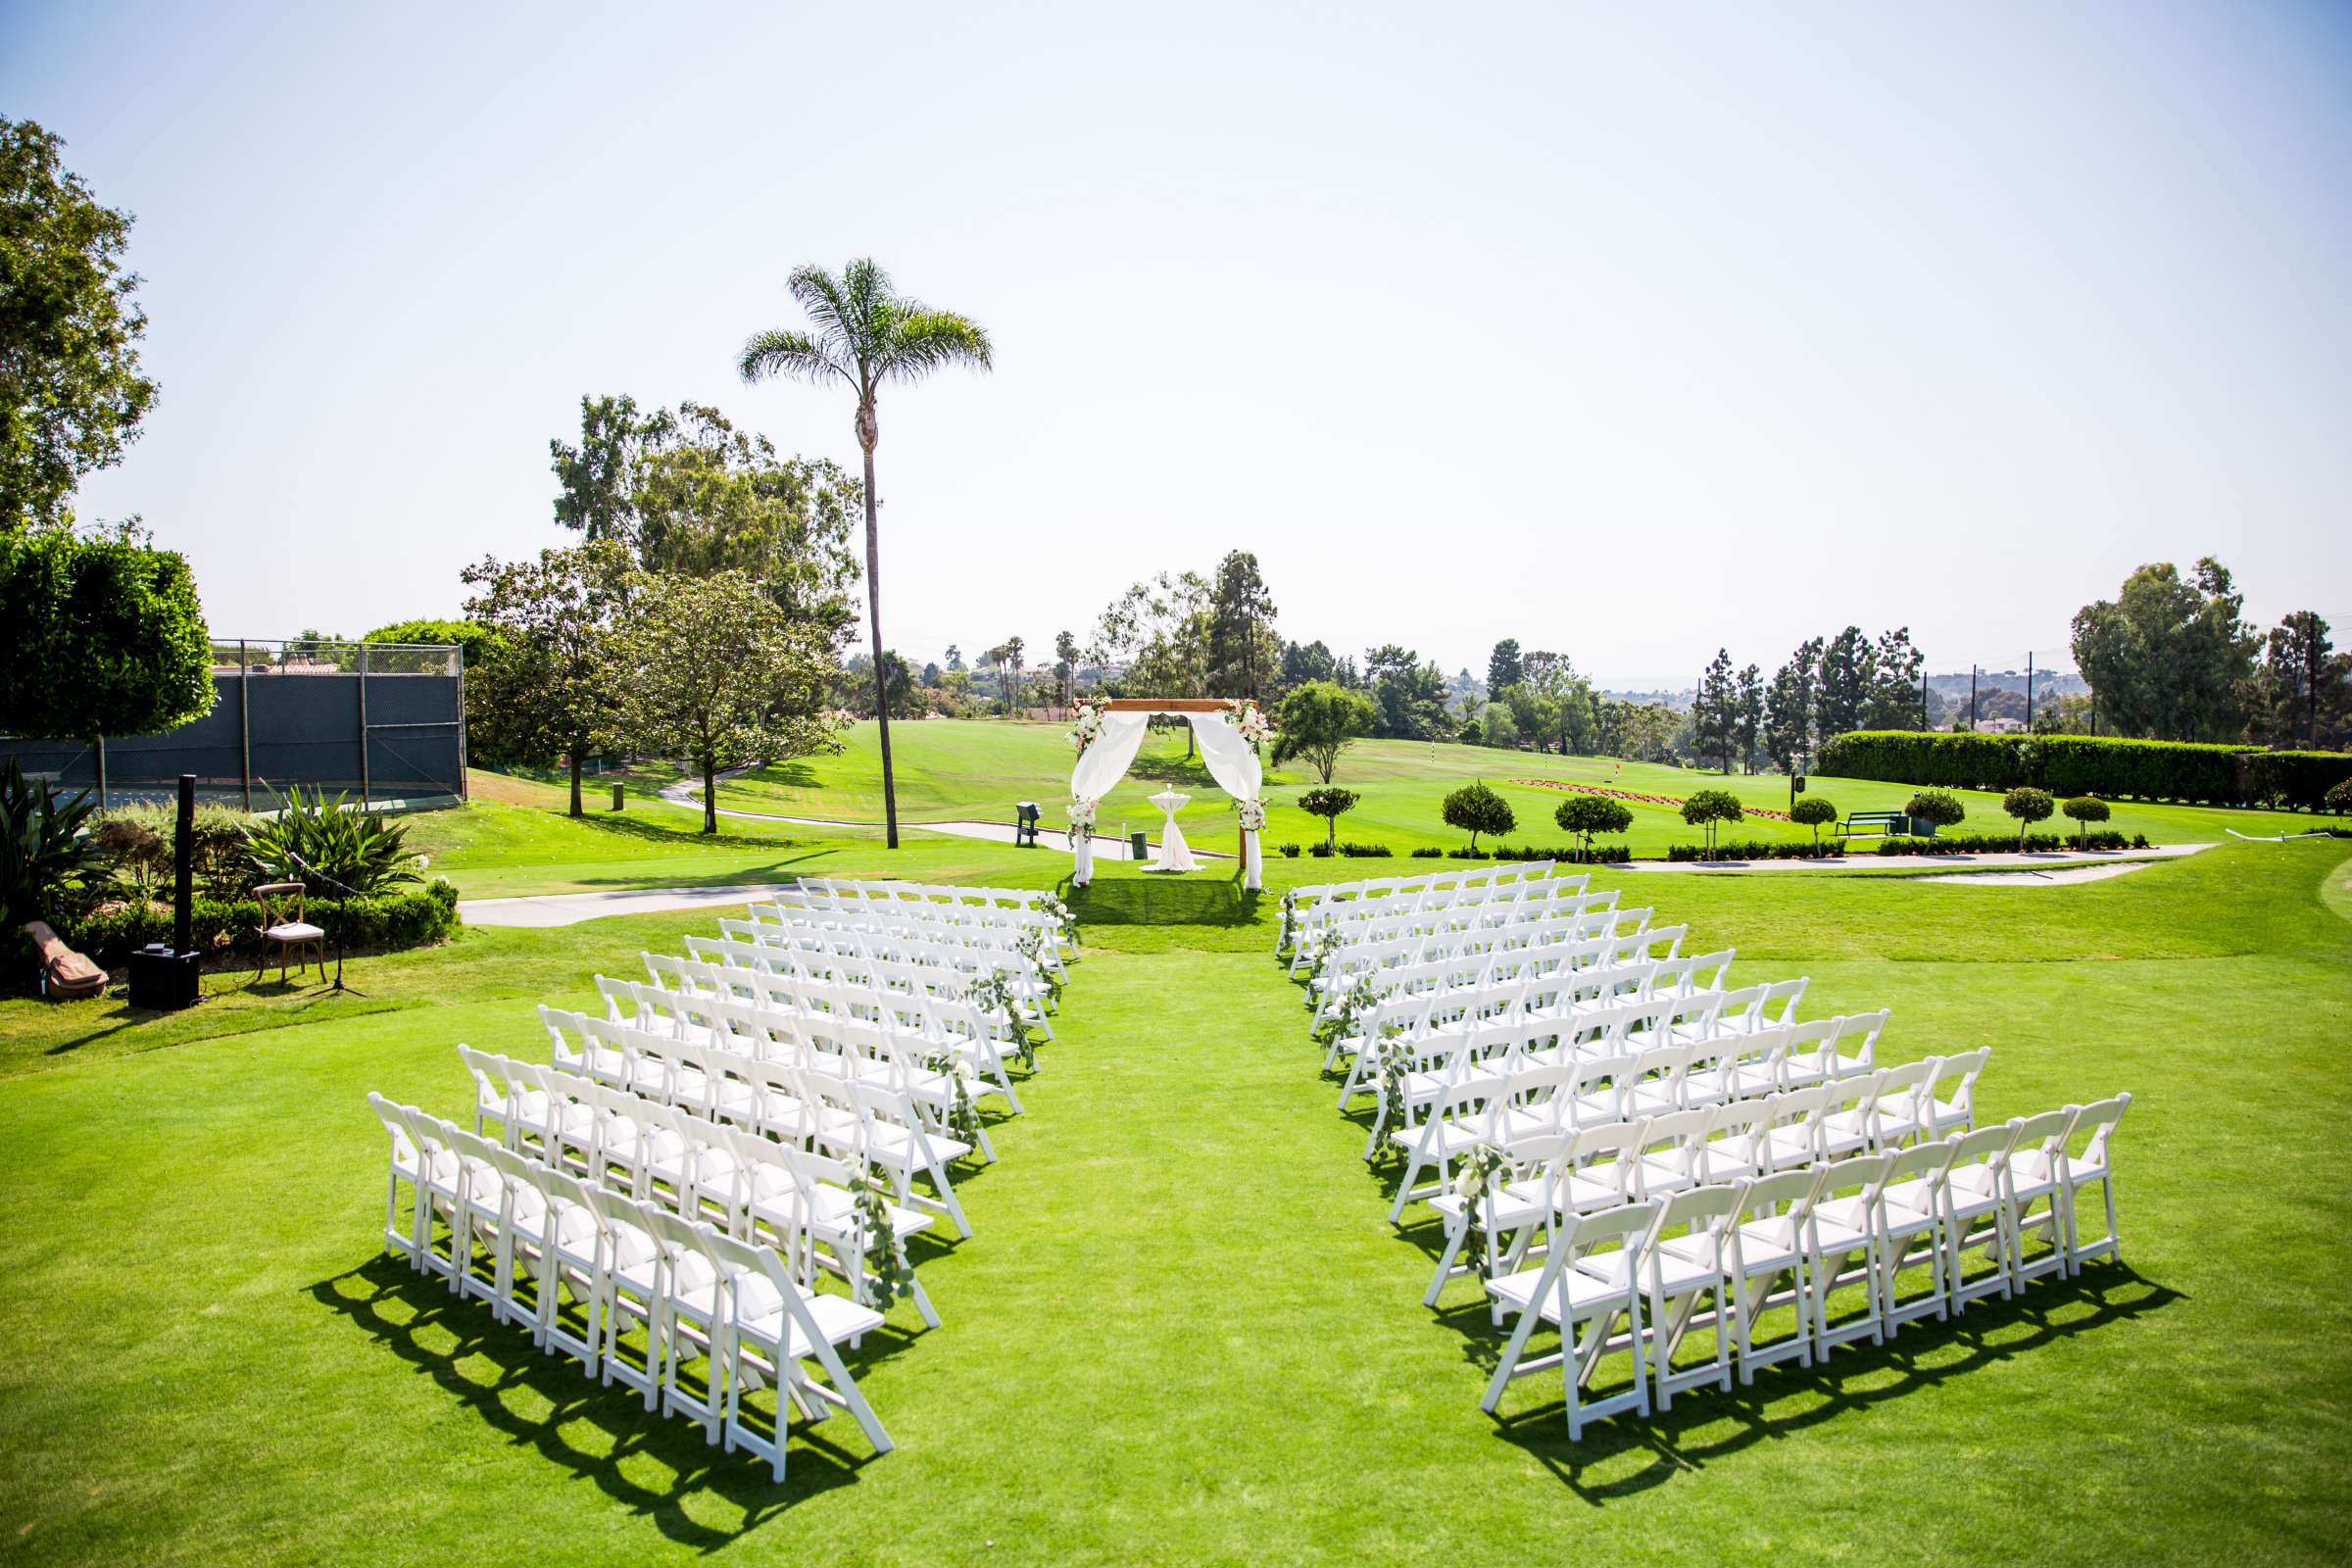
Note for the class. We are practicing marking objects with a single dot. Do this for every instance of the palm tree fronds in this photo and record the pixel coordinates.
(923, 340)
(794, 355)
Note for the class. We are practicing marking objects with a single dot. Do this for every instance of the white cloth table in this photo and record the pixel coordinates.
(1174, 853)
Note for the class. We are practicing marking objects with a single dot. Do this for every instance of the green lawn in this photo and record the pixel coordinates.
(1183, 1332)
(979, 769)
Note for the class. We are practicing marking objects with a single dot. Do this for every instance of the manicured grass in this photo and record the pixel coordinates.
(979, 769)
(1183, 1332)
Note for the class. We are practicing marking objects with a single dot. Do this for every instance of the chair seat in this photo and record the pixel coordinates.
(1586, 1292)
(295, 931)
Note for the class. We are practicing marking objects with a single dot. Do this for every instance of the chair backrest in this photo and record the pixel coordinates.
(274, 899)
(1695, 1209)
(2097, 1123)
(2048, 1130)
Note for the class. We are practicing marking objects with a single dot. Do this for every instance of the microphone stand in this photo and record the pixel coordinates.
(343, 894)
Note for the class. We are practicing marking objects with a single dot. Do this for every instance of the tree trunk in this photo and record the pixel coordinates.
(710, 794)
(867, 435)
(575, 781)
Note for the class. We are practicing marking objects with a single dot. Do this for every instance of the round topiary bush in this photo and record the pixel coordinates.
(1476, 809)
(1587, 814)
(2086, 809)
(2029, 805)
(1330, 802)
(1707, 807)
(1939, 806)
(1815, 812)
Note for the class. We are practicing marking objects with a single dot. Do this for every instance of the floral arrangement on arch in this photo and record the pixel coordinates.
(1254, 816)
(1082, 820)
(1087, 728)
(1254, 726)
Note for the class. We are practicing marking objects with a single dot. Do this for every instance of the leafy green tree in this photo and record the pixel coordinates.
(1301, 665)
(1939, 806)
(2086, 809)
(552, 694)
(2169, 656)
(865, 334)
(2339, 796)
(1159, 628)
(1408, 696)
(709, 670)
(1476, 809)
(1329, 803)
(2029, 805)
(2302, 690)
(1504, 670)
(1566, 697)
(102, 638)
(1707, 807)
(1066, 664)
(1587, 814)
(1497, 728)
(71, 393)
(1316, 721)
(1815, 812)
(1893, 702)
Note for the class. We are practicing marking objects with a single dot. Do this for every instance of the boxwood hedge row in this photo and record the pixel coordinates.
(2086, 765)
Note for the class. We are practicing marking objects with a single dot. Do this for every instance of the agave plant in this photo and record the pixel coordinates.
(355, 847)
(45, 845)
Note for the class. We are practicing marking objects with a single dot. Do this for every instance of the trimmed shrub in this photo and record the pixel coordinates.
(1813, 812)
(1328, 801)
(1939, 806)
(2340, 798)
(1607, 855)
(2029, 805)
(2003, 843)
(1587, 814)
(1758, 849)
(231, 926)
(1363, 851)
(1289, 851)
(1475, 810)
(1429, 852)
(2086, 809)
(2089, 764)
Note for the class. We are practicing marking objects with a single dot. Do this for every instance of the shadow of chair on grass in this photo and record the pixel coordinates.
(1787, 1399)
(490, 1366)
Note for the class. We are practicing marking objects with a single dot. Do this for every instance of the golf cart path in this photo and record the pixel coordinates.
(1105, 846)
(2108, 862)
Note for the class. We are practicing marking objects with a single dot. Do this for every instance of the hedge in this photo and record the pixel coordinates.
(2007, 843)
(409, 919)
(1602, 854)
(1757, 850)
(2088, 765)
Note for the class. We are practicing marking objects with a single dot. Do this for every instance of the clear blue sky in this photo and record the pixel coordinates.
(1624, 331)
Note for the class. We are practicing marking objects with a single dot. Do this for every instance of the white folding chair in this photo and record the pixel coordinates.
(1585, 1281)
(2093, 1166)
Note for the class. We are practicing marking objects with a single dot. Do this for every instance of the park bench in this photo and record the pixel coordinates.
(1885, 824)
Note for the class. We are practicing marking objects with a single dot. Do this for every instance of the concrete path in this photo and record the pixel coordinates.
(571, 908)
(2051, 877)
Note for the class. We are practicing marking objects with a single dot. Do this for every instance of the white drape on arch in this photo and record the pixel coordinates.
(1232, 763)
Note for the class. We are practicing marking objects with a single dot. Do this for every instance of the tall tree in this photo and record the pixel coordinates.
(1505, 668)
(2169, 656)
(1716, 714)
(1301, 665)
(1788, 707)
(1895, 693)
(552, 694)
(709, 670)
(865, 334)
(1066, 659)
(1842, 683)
(1408, 696)
(2299, 693)
(1750, 715)
(71, 391)
(1240, 622)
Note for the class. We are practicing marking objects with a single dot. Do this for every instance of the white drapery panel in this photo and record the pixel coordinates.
(1232, 763)
(1099, 766)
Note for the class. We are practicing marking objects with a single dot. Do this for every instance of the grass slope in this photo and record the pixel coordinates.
(1183, 1332)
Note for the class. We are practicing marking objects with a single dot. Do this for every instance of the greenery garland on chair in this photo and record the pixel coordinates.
(1289, 935)
(1031, 945)
(1360, 998)
(886, 1254)
(1054, 909)
(964, 1116)
(1395, 1063)
(1320, 949)
(993, 992)
(1471, 1184)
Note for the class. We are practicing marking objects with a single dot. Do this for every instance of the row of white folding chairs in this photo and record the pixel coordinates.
(1735, 1083)
(1589, 1150)
(922, 892)
(752, 971)
(1310, 925)
(799, 1095)
(1562, 920)
(1576, 966)
(848, 957)
(728, 1172)
(1572, 955)
(1032, 987)
(1527, 902)
(1618, 1000)
(1667, 1065)
(1629, 1278)
(1317, 899)
(696, 1293)
(961, 923)
(914, 1050)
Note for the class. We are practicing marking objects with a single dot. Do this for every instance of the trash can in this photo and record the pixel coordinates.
(617, 797)
(1138, 846)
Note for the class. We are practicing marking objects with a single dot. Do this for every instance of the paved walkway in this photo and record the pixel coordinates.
(1903, 863)
(1105, 846)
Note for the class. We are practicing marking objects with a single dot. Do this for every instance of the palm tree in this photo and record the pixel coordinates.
(865, 333)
